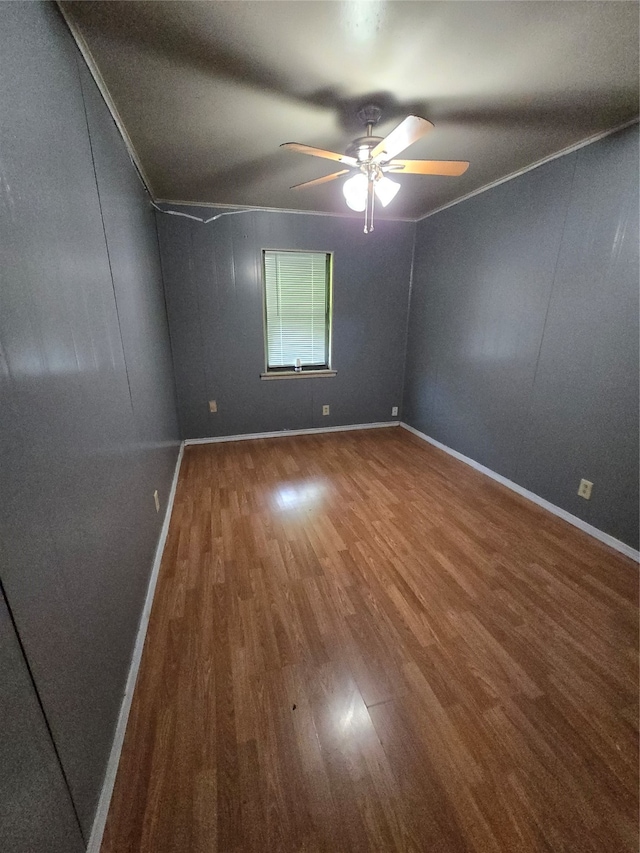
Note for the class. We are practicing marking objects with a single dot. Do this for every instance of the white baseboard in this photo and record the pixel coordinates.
(283, 432)
(627, 550)
(102, 811)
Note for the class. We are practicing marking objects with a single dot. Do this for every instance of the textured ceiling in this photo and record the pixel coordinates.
(208, 90)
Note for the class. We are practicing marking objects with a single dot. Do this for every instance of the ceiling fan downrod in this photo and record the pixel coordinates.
(370, 116)
(368, 213)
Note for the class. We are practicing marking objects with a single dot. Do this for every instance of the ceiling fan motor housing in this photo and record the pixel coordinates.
(362, 147)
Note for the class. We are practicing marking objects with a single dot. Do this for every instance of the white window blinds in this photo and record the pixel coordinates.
(297, 308)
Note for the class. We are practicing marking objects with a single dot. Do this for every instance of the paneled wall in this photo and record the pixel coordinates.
(88, 425)
(213, 282)
(36, 814)
(523, 335)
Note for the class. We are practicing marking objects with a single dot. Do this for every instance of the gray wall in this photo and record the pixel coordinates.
(213, 282)
(36, 814)
(87, 422)
(523, 335)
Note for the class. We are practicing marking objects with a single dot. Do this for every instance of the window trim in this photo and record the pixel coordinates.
(311, 370)
(291, 374)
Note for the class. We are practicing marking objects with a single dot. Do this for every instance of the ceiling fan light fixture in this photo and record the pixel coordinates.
(355, 192)
(386, 190)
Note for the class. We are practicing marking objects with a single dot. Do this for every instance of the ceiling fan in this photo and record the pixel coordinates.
(372, 157)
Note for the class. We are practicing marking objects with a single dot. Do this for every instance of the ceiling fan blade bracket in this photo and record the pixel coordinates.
(323, 180)
(320, 152)
(405, 134)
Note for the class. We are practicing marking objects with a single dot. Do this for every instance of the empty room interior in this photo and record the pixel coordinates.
(319, 432)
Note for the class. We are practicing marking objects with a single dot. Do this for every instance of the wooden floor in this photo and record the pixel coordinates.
(359, 643)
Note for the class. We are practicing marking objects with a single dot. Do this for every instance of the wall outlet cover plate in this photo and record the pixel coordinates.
(584, 489)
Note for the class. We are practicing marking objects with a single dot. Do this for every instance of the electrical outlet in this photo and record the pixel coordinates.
(585, 489)
(213, 406)
(394, 412)
(156, 500)
(325, 410)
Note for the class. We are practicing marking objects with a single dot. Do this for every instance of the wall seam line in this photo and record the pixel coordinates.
(42, 710)
(166, 314)
(196, 281)
(525, 431)
(135, 427)
(106, 243)
(406, 333)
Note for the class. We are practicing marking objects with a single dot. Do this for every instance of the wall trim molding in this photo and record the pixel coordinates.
(102, 86)
(609, 540)
(248, 436)
(83, 47)
(562, 153)
(100, 819)
(212, 205)
(576, 146)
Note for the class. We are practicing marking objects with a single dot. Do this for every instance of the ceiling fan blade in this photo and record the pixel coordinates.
(322, 180)
(406, 133)
(320, 152)
(428, 167)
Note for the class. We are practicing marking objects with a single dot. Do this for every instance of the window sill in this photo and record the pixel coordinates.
(303, 374)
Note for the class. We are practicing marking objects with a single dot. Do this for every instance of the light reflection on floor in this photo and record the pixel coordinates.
(307, 494)
(351, 716)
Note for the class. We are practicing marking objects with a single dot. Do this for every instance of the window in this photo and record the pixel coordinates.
(297, 311)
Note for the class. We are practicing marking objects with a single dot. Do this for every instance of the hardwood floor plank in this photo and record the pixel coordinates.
(359, 643)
